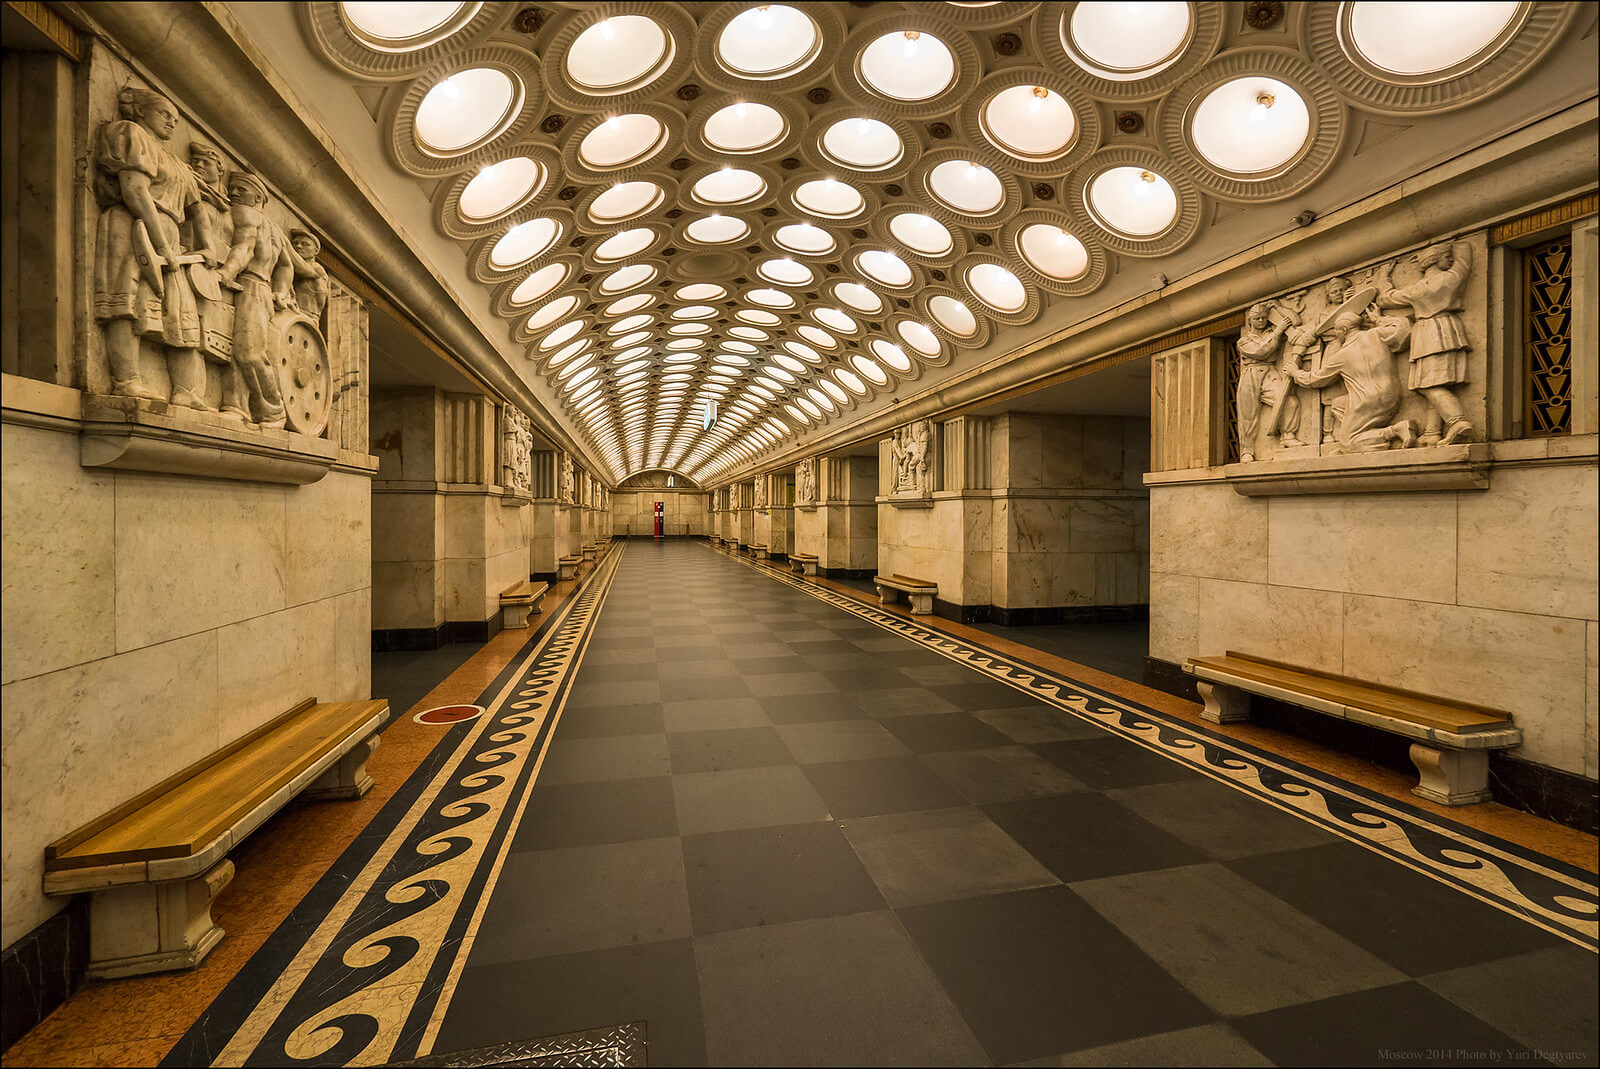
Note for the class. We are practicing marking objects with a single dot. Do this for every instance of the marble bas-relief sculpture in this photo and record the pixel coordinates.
(761, 493)
(565, 491)
(516, 451)
(805, 482)
(909, 452)
(1368, 356)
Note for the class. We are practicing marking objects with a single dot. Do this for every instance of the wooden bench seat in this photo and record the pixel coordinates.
(567, 567)
(919, 593)
(1451, 740)
(154, 864)
(520, 599)
(803, 563)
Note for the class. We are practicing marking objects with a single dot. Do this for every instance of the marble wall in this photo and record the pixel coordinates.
(685, 512)
(842, 530)
(150, 619)
(1487, 596)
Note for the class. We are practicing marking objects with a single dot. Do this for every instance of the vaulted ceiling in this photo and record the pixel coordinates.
(801, 212)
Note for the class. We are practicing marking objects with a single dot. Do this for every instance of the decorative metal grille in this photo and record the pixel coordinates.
(1230, 396)
(1547, 333)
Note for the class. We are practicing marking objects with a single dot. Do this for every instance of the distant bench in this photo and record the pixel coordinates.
(153, 865)
(803, 563)
(919, 593)
(567, 567)
(759, 551)
(517, 601)
(1452, 739)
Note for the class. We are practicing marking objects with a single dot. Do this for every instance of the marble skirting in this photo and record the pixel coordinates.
(398, 639)
(41, 969)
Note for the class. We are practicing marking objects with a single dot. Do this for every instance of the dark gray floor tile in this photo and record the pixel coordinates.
(761, 876)
(766, 666)
(1405, 1024)
(602, 655)
(620, 641)
(784, 684)
(585, 760)
(682, 690)
(998, 775)
(746, 798)
(940, 854)
(585, 898)
(838, 991)
(1221, 820)
(1039, 723)
(1208, 1045)
(857, 661)
(609, 695)
(614, 720)
(1038, 972)
(672, 668)
(934, 732)
(1416, 924)
(840, 740)
(1546, 999)
(700, 651)
(1087, 836)
(1190, 921)
(713, 714)
(763, 646)
(1109, 762)
(865, 681)
(881, 785)
(727, 749)
(512, 1002)
(587, 814)
(982, 694)
(810, 708)
(628, 672)
(904, 701)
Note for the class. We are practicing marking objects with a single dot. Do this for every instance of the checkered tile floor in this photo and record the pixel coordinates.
(777, 834)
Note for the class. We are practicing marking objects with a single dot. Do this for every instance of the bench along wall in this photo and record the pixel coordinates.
(838, 522)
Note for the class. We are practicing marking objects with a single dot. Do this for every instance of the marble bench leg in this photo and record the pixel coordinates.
(155, 927)
(514, 616)
(888, 595)
(796, 567)
(347, 778)
(538, 604)
(921, 604)
(1224, 704)
(1451, 777)
(809, 567)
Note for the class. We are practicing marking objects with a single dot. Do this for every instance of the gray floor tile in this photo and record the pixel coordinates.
(1109, 762)
(935, 732)
(784, 684)
(583, 760)
(1208, 1045)
(746, 798)
(727, 749)
(1221, 820)
(936, 855)
(904, 701)
(1038, 723)
(672, 668)
(842, 991)
(811, 708)
(682, 690)
(1087, 836)
(881, 785)
(840, 740)
(1546, 999)
(604, 695)
(762, 876)
(1000, 774)
(615, 720)
(712, 714)
(588, 814)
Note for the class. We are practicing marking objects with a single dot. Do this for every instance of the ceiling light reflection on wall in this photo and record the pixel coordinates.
(1251, 126)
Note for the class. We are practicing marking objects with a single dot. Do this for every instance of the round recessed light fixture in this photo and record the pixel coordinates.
(785, 272)
(865, 144)
(627, 304)
(626, 243)
(700, 291)
(745, 127)
(618, 53)
(829, 198)
(717, 230)
(835, 319)
(1030, 122)
(907, 65)
(465, 109)
(758, 316)
(870, 370)
(858, 297)
(885, 267)
(922, 233)
(552, 313)
(624, 201)
(1132, 201)
(1052, 251)
(805, 239)
(967, 187)
(627, 278)
(729, 185)
(536, 285)
(621, 140)
(953, 315)
(1414, 40)
(919, 337)
(1251, 126)
(997, 287)
(498, 188)
(768, 41)
(1123, 42)
(770, 298)
(523, 242)
(403, 27)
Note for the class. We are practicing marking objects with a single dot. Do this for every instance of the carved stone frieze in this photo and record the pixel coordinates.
(516, 444)
(912, 460)
(565, 484)
(805, 483)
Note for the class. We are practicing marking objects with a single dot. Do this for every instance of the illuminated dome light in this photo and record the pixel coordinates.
(561, 335)
(789, 363)
(1052, 251)
(624, 244)
(1132, 201)
(570, 350)
(768, 41)
(751, 333)
(780, 374)
(805, 239)
(1123, 42)
(885, 267)
(677, 351)
(498, 188)
(817, 336)
(628, 340)
(694, 311)
(618, 52)
(953, 315)
(891, 354)
(689, 329)
(922, 233)
(626, 278)
(967, 187)
(580, 378)
(830, 198)
(631, 323)
(1030, 122)
(745, 127)
(858, 297)
(865, 144)
(835, 319)
(700, 291)
(758, 317)
(1414, 39)
(628, 304)
(919, 337)
(624, 201)
(543, 281)
(466, 108)
(401, 27)
(770, 298)
(821, 398)
(740, 347)
(551, 313)
(800, 349)
(810, 407)
(1251, 125)
(621, 140)
(630, 353)
(834, 391)
(908, 65)
(997, 287)
(523, 242)
(785, 272)
(632, 367)
(717, 230)
(679, 345)
(870, 370)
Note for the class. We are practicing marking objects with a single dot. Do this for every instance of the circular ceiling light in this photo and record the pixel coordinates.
(891, 354)
(621, 140)
(700, 291)
(717, 230)
(834, 319)
(758, 316)
(830, 198)
(817, 336)
(617, 53)
(744, 127)
(561, 335)
(629, 354)
(770, 298)
(466, 108)
(632, 367)
(908, 65)
(626, 278)
(810, 406)
(800, 349)
(1251, 126)
(1122, 42)
(1052, 251)
(553, 312)
(821, 398)
(805, 239)
(694, 311)
(885, 267)
(858, 297)
(919, 337)
(997, 287)
(523, 242)
(628, 304)
(967, 187)
(1414, 40)
(1030, 122)
(402, 27)
(679, 353)
(953, 315)
(1132, 201)
(752, 333)
(785, 272)
(729, 185)
(569, 351)
(624, 201)
(626, 243)
(689, 329)
(870, 370)
(539, 283)
(498, 188)
(865, 144)
(630, 340)
(922, 233)
(768, 41)
(623, 326)
(833, 391)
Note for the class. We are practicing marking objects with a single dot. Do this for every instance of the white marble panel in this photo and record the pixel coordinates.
(1207, 531)
(1100, 525)
(329, 524)
(1283, 623)
(1025, 444)
(1062, 448)
(464, 522)
(1103, 449)
(407, 594)
(267, 664)
(1528, 542)
(1029, 579)
(1391, 545)
(58, 573)
(407, 526)
(465, 583)
(1073, 579)
(1174, 617)
(352, 647)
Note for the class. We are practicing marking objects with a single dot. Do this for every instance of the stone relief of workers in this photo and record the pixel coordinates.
(805, 482)
(310, 277)
(203, 232)
(1264, 380)
(259, 268)
(917, 456)
(141, 295)
(1439, 344)
(1362, 357)
(1334, 293)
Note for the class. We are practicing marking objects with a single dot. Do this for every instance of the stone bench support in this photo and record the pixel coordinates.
(919, 593)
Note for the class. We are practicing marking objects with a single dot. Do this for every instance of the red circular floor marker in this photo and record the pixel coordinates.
(449, 714)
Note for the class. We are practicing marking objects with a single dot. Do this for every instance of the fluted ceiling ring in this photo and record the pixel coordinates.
(676, 24)
(400, 109)
(447, 198)
(343, 45)
(1205, 34)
